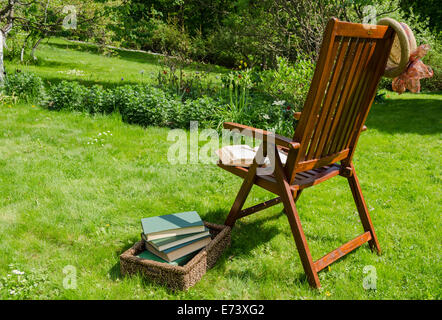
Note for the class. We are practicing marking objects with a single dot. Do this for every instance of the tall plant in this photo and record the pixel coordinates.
(238, 86)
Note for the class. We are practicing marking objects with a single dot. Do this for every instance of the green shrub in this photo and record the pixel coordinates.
(289, 81)
(168, 38)
(93, 100)
(99, 100)
(205, 110)
(26, 86)
(239, 101)
(156, 104)
(125, 99)
(434, 60)
(146, 106)
(67, 95)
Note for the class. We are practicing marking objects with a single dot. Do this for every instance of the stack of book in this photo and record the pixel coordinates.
(174, 238)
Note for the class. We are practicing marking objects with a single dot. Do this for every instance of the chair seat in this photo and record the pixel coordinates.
(303, 179)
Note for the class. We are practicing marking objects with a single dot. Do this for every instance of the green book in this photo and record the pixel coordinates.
(178, 262)
(166, 243)
(171, 225)
(180, 250)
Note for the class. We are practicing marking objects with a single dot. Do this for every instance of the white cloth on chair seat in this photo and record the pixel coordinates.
(242, 155)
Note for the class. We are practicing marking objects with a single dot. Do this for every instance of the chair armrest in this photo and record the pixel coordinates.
(262, 134)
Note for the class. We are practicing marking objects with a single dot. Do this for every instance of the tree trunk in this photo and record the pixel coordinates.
(2, 67)
(23, 48)
(35, 47)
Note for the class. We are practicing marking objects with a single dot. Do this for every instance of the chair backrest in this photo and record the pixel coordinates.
(351, 63)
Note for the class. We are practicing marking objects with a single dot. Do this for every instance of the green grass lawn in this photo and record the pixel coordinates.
(59, 59)
(66, 202)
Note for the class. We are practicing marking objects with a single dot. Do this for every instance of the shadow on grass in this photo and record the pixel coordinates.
(135, 56)
(414, 115)
(114, 272)
(246, 235)
(89, 83)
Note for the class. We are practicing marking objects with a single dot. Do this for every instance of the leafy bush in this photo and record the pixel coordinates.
(289, 81)
(26, 86)
(434, 60)
(242, 98)
(145, 106)
(205, 110)
(167, 38)
(99, 100)
(67, 95)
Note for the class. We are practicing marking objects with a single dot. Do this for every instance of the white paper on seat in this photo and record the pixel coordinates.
(242, 155)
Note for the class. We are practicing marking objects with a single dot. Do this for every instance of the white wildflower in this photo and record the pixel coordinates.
(75, 72)
(12, 292)
(266, 116)
(278, 103)
(17, 272)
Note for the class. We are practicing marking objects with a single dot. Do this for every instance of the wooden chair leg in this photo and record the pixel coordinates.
(301, 242)
(295, 224)
(362, 209)
(297, 195)
(241, 196)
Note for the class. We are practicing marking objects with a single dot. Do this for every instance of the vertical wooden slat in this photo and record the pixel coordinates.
(381, 55)
(359, 103)
(351, 85)
(305, 122)
(320, 94)
(351, 103)
(359, 91)
(354, 55)
(334, 110)
(327, 107)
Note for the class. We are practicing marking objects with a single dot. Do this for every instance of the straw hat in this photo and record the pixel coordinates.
(404, 44)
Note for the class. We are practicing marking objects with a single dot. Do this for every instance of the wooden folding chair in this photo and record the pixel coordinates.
(352, 60)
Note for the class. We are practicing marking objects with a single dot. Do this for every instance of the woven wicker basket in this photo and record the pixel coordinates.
(178, 277)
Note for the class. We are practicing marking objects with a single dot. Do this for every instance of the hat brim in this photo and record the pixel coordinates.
(407, 45)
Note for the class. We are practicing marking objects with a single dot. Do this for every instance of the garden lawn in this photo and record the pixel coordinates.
(60, 59)
(67, 202)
